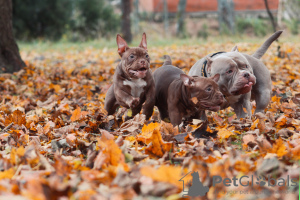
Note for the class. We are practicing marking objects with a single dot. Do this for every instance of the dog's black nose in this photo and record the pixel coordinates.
(247, 75)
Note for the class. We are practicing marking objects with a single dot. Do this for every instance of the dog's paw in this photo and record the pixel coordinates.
(134, 102)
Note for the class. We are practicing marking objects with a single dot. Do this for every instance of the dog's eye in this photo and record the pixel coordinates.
(147, 56)
(131, 56)
(229, 72)
(246, 66)
(208, 89)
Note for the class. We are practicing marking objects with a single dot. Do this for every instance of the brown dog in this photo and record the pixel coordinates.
(178, 95)
(133, 82)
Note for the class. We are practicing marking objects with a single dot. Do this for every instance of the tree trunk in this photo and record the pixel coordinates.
(279, 13)
(10, 59)
(271, 16)
(166, 17)
(180, 18)
(126, 23)
(136, 17)
(226, 16)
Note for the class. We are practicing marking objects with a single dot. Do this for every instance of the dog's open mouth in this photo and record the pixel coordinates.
(140, 73)
(245, 89)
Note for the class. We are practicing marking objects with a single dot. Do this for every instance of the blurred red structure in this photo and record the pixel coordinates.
(206, 5)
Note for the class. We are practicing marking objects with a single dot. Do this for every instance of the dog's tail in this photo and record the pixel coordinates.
(263, 48)
(168, 60)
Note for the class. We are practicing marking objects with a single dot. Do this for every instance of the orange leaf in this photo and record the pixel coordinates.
(158, 147)
(147, 131)
(279, 148)
(76, 114)
(242, 166)
(111, 153)
(17, 117)
(224, 133)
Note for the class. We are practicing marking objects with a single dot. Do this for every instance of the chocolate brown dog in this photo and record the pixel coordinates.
(133, 83)
(178, 95)
(240, 73)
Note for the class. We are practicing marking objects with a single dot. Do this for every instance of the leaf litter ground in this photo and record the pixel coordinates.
(58, 143)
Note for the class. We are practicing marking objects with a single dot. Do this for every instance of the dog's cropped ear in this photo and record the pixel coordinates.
(215, 78)
(235, 49)
(208, 64)
(143, 43)
(122, 45)
(187, 80)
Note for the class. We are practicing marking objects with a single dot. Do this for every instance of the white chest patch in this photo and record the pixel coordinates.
(136, 85)
(233, 99)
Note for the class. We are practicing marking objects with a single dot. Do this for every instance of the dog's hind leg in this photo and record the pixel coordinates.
(110, 104)
(262, 100)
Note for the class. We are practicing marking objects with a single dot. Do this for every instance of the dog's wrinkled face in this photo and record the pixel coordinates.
(135, 61)
(236, 74)
(205, 93)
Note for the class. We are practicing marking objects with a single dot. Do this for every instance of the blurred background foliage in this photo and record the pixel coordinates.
(67, 19)
(87, 20)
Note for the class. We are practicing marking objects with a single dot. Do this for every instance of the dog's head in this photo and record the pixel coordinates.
(205, 93)
(135, 61)
(236, 73)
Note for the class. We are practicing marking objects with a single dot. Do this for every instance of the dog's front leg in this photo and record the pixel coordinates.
(239, 106)
(126, 99)
(149, 103)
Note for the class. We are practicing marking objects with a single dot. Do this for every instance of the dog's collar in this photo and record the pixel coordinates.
(203, 69)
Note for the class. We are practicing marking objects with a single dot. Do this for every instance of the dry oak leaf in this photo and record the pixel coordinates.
(158, 147)
(168, 129)
(17, 117)
(224, 133)
(147, 131)
(263, 144)
(168, 174)
(249, 138)
(288, 108)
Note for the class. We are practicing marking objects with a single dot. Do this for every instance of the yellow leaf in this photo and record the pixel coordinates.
(168, 174)
(20, 151)
(7, 174)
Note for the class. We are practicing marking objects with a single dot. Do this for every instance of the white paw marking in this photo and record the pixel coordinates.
(136, 85)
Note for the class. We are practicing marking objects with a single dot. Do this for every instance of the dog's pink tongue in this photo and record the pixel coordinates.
(249, 84)
(141, 73)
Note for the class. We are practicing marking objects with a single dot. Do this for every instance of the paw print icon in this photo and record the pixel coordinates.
(261, 181)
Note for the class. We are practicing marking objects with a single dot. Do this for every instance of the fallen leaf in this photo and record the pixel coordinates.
(158, 147)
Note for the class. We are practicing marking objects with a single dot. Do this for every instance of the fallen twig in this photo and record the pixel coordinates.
(7, 127)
